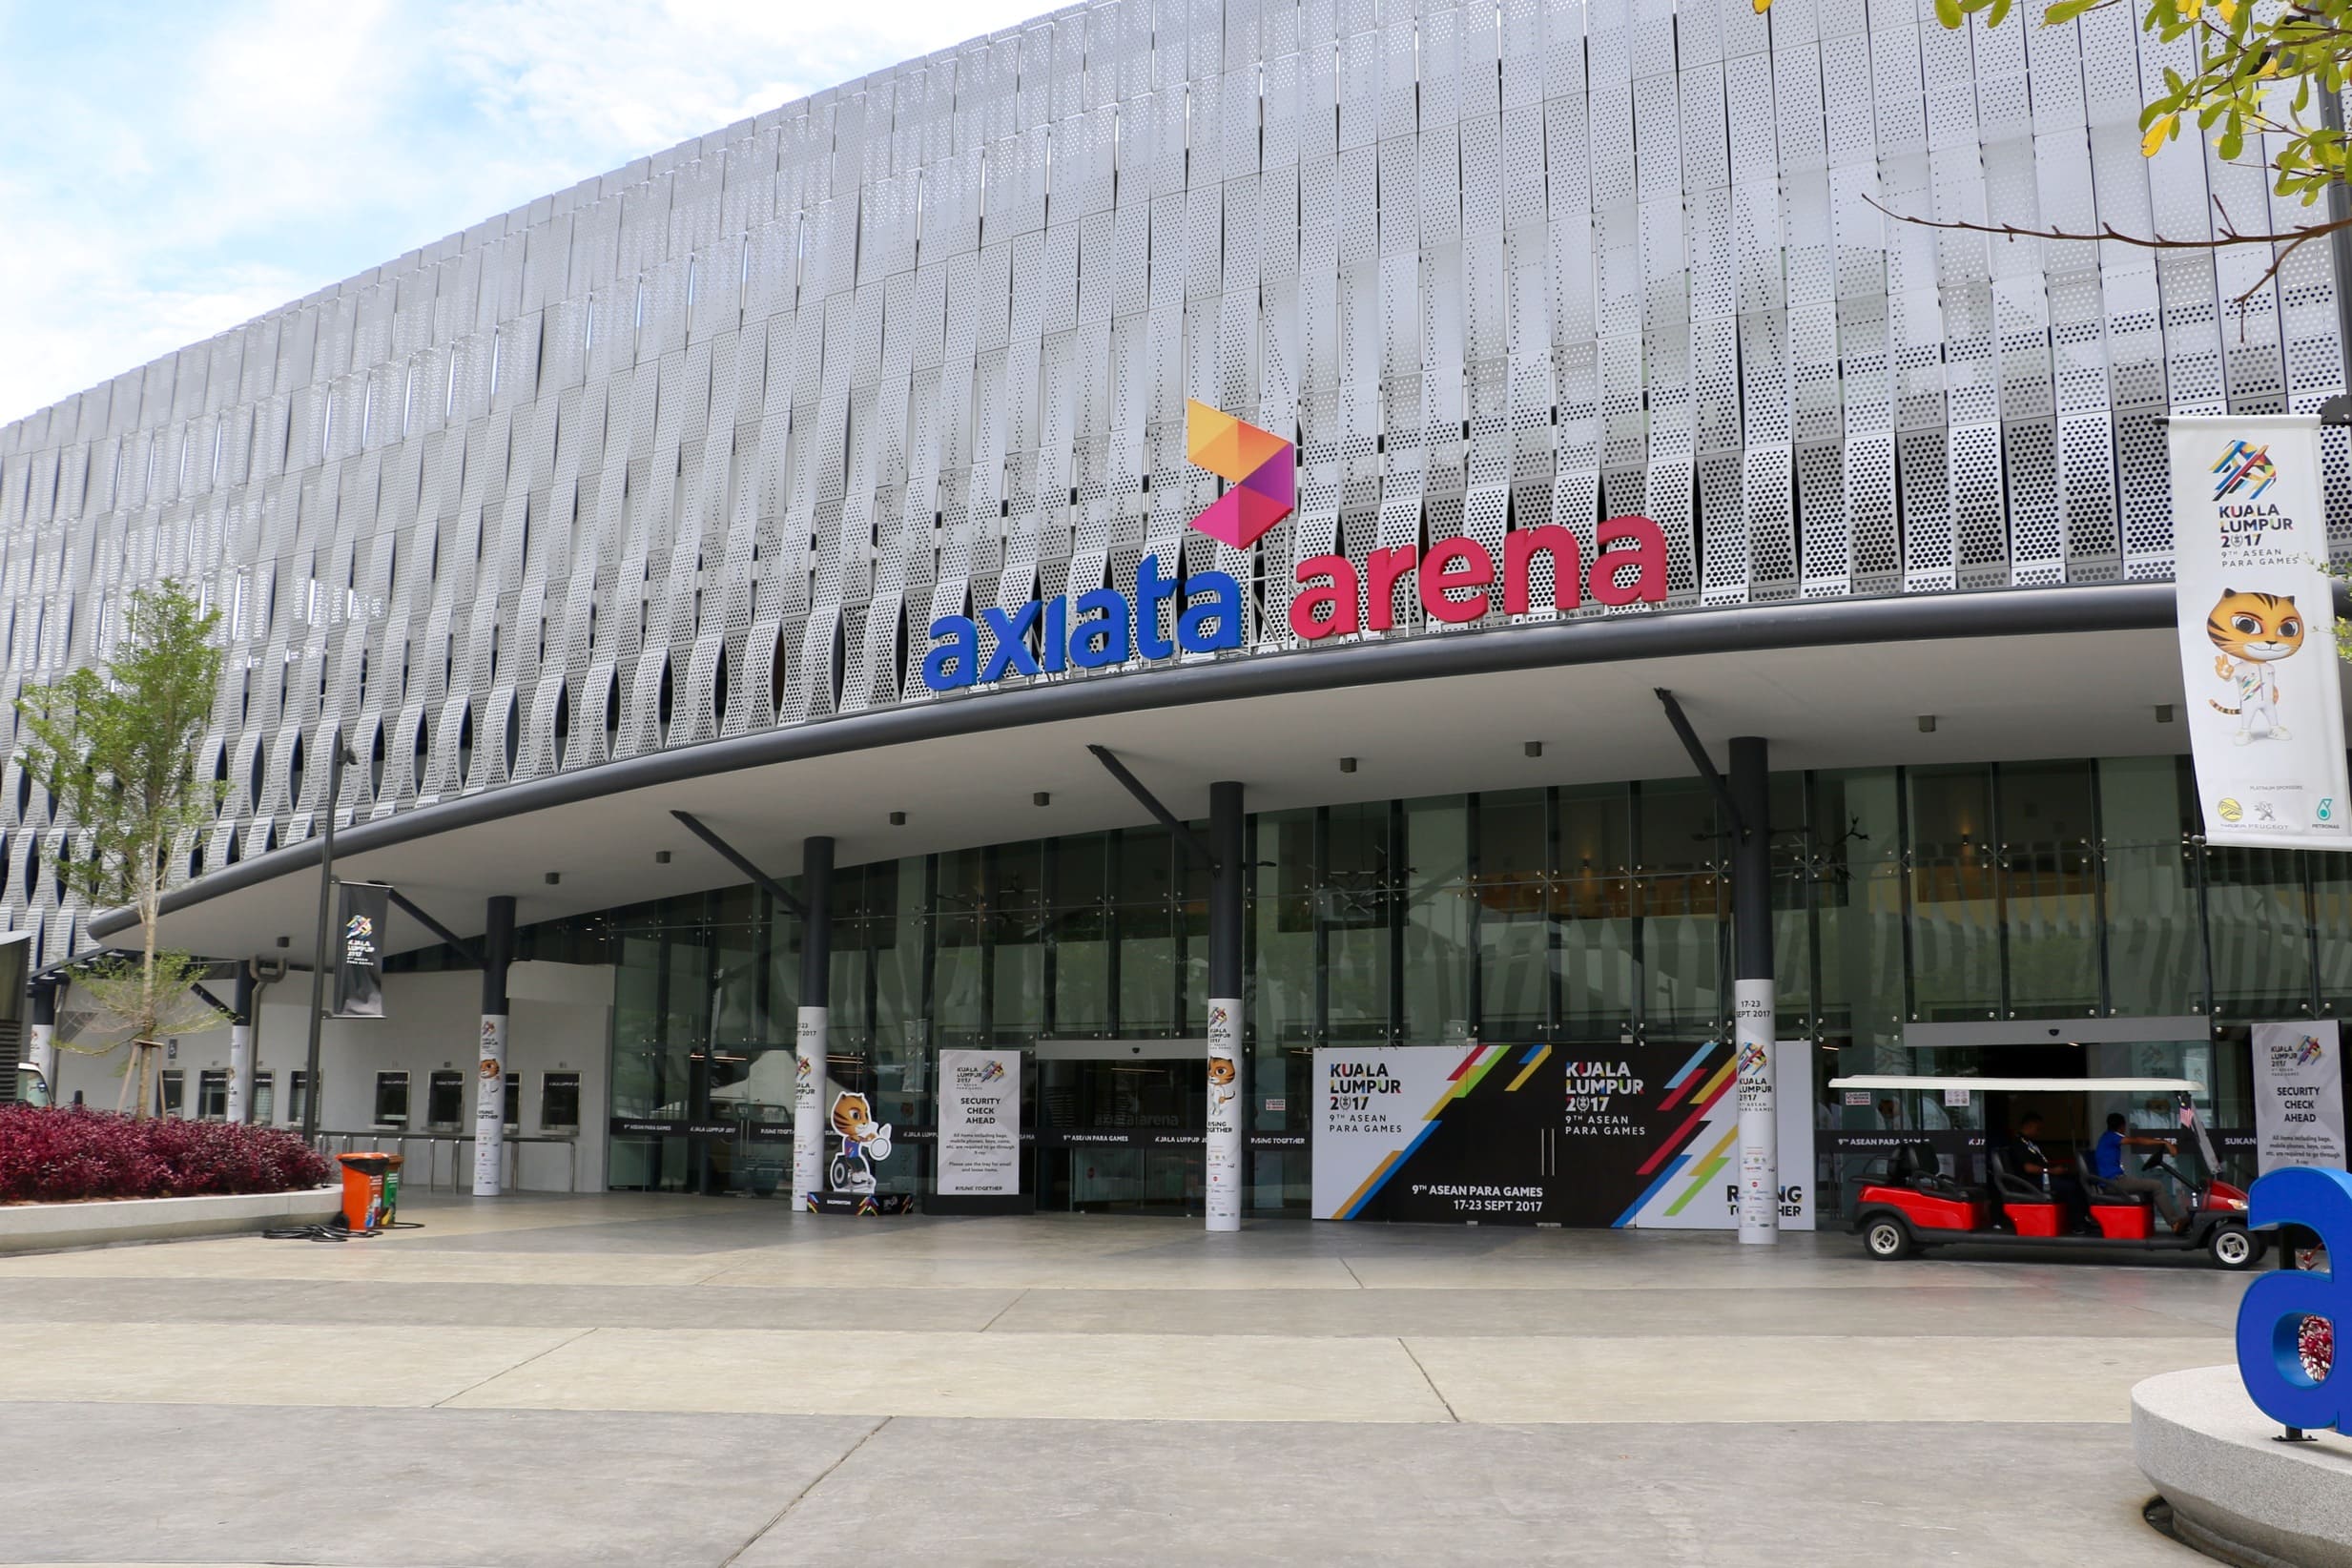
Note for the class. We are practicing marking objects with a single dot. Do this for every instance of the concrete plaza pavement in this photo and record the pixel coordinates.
(660, 1380)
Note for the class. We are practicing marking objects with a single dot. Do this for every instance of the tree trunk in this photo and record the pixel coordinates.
(148, 913)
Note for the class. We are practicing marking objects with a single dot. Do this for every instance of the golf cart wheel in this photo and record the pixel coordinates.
(1887, 1237)
(2235, 1248)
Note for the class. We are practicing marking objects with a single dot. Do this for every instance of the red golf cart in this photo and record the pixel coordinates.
(1912, 1205)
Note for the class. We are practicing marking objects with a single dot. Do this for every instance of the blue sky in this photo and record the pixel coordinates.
(169, 171)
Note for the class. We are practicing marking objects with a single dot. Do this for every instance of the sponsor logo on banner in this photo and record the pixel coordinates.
(2258, 630)
(1331, 595)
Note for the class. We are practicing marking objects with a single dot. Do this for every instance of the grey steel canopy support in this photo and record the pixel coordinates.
(1699, 759)
(728, 853)
(406, 906)
(1184, 836)
(213, 1002)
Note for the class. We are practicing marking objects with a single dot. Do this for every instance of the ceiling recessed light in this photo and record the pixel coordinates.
(898, 820)
(1041, 798)
(1347, 764)
(1535, 748)
(1927, 724)
(661, 857)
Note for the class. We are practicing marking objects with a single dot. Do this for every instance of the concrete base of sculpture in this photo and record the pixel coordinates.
(2236, 1494)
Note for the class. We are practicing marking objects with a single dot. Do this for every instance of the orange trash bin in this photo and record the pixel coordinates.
(368, 1204)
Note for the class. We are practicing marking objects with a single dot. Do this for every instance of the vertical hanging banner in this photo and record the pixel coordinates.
(2258, 630)
(1222, 1150)
(2298, 1094)
(1753, 1012)
(980, 1122)
(359, 948)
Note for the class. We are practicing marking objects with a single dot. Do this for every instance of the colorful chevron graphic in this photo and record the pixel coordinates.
(2242, 465)
(1258, 465)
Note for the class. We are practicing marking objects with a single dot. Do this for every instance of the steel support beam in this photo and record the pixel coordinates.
(407, 906)
(1689, 738)
(728, 853)
(1192, 842)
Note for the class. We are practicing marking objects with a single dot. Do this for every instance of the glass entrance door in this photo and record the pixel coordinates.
(1119, 1125)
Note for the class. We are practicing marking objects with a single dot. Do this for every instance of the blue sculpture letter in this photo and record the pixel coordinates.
(2270, 1317)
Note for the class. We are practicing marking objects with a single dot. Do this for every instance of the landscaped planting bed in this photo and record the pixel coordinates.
(64, 1154)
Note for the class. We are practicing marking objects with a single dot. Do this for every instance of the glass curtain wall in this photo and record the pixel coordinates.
(1588, 913)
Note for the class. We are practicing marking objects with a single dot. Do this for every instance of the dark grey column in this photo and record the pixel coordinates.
(1228, 1069)
(240, 1045)
(491, 1083)
(1754, 1002)
(808, 1039)
(44, 1039)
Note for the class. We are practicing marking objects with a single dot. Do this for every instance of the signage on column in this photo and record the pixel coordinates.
(2298, 1094)
(2258, 630)
(980, 1122)
(490, 1107)
(366, 908)
(808, 1083)
(1753, 1009)
(1437, 1132)
(1221, 1148)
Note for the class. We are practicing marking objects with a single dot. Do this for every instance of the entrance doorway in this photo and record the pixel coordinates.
(1120, 1125)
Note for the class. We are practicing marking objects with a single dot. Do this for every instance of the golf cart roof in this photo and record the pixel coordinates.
(2026, 1085)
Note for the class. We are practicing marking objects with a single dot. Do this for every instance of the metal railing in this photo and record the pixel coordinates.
(397, 1140)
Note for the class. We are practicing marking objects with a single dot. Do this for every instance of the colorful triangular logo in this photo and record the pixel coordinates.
(1258, 465)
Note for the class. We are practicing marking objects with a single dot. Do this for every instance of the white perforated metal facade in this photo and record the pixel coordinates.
(704, 444)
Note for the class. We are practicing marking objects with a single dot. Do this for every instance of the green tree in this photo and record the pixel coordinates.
(115, 750)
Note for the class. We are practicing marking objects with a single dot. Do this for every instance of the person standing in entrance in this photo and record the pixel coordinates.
(2107, 1159)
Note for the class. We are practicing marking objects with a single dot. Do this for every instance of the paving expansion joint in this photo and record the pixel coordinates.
(785, 1511)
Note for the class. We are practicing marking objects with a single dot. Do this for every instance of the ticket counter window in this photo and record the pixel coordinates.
(559, 1102)
(444, 1101)
(392, 1100)
(264, 1098)
(173, 1087)
(213, 1095)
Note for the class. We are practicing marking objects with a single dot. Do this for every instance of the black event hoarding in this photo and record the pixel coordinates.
(363, 908)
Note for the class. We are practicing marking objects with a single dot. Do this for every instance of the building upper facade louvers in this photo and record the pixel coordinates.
(705, 443)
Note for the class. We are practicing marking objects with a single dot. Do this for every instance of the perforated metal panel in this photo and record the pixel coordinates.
(705, 444)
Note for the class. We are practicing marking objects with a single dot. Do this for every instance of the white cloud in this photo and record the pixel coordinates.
(275, 146)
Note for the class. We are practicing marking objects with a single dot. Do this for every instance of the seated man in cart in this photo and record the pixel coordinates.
(2107, 1159)
(2027, 1157)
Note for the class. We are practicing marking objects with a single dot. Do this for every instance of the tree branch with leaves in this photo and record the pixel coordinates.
(2258, 70)
(115, 751)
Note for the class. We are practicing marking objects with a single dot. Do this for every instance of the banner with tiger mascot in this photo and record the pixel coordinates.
(2258, 630)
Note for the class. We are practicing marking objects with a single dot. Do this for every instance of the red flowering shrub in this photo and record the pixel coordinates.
(57, 1154)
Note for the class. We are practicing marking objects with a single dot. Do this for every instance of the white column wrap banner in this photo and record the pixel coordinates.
(44, 1046)
(240, 1070)
(1753, 1002)
(2298, 1094)
(980, 1121)
(490, 1108)
(808, 1115)
(2258, 630)
(1222, 1157)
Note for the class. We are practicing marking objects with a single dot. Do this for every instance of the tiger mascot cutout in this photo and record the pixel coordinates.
(2253, 632)
(862, 1142)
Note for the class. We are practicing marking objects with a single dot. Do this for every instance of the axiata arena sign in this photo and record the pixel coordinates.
(1454, 578)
